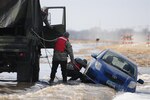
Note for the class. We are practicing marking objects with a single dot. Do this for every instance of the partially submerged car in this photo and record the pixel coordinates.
(113, 69)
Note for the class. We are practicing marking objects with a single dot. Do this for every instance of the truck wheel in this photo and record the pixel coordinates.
(28, 71)
(35, 66)
(23, 72)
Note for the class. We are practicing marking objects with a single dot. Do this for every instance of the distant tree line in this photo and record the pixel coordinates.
(115, 35)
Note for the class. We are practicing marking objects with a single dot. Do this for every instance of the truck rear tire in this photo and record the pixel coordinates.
(35, 74)
(23, 72)
(29, 71)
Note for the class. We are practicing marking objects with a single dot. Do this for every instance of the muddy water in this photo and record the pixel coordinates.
(57, 92)
(42, 91)
(76, 91)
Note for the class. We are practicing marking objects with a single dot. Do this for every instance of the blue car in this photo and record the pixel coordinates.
(114, 70)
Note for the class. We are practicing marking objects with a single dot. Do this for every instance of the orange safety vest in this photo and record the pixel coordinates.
(61, 44)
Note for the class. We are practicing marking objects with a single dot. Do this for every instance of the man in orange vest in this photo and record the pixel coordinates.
(62, 49)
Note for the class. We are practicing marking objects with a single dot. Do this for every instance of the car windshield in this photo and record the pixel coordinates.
(115, 60)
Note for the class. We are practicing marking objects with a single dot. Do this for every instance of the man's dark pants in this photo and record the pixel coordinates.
(74, 74)
(63, 65)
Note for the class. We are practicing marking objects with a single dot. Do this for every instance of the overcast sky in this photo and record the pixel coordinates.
(106, 14)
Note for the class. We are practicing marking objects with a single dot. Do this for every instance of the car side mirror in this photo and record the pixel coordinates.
(140, 81)
(94, 55)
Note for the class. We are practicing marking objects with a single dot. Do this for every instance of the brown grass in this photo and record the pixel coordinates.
(139, 53)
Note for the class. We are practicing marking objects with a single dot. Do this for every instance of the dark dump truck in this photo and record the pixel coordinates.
(23, 33)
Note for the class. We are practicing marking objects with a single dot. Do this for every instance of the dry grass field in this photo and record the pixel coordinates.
(139, 53)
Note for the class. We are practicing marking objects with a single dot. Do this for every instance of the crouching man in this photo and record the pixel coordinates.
(73, 69)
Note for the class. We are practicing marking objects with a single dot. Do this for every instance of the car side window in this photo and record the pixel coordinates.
(107, 58)
(129, 69)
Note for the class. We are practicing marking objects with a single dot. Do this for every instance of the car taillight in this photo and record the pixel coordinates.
(22, 54)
